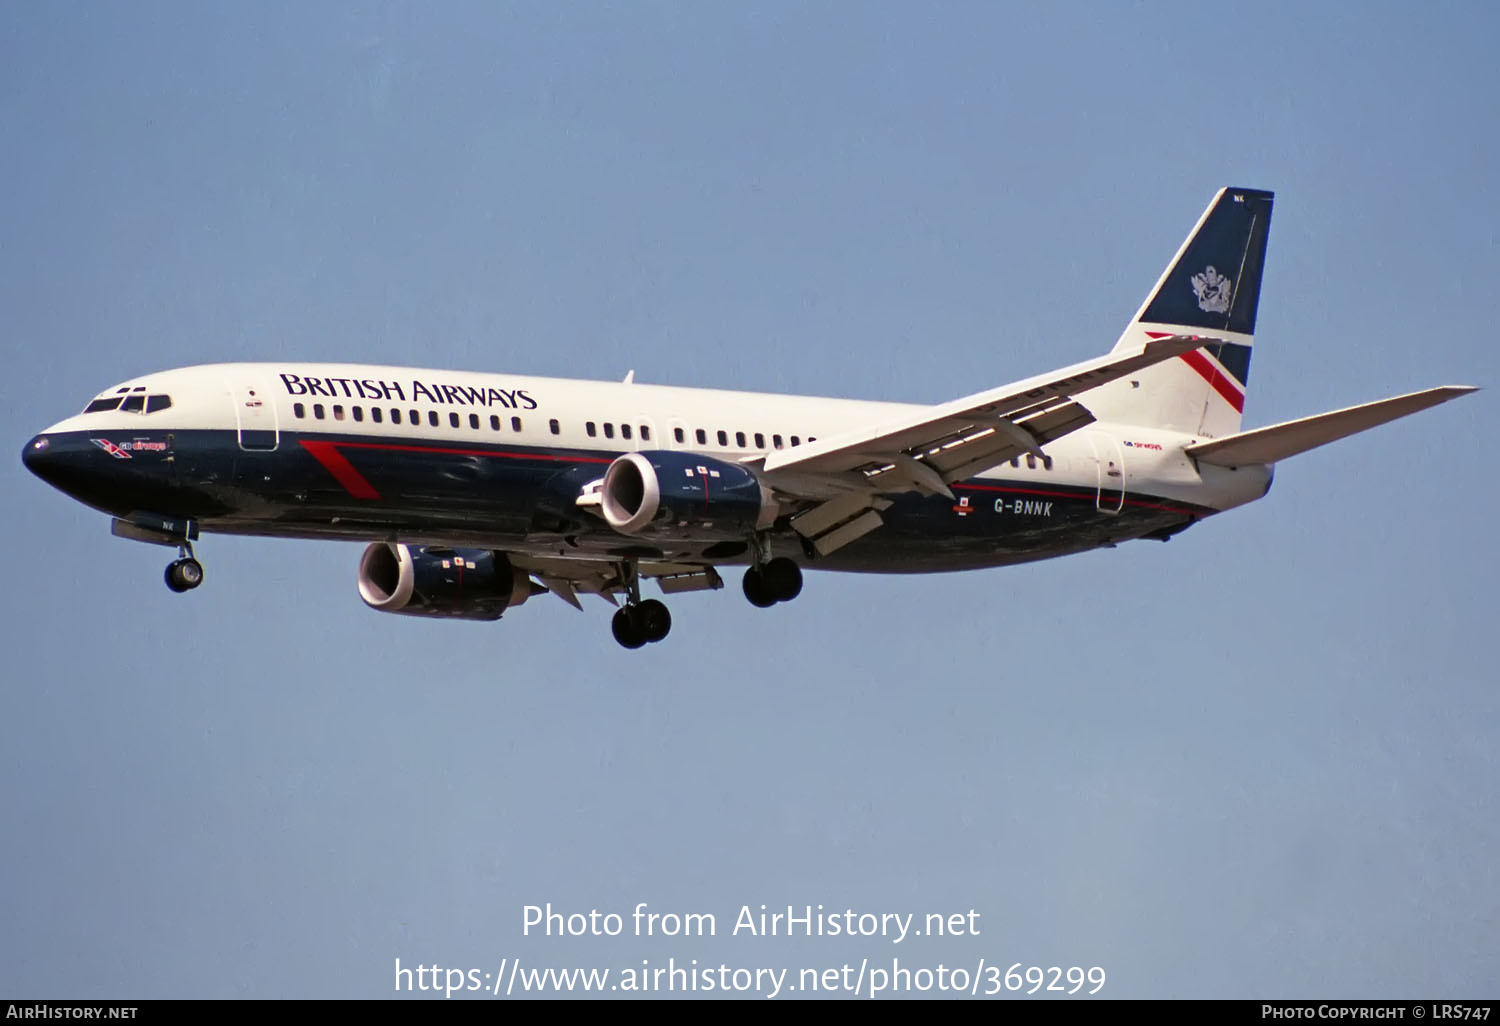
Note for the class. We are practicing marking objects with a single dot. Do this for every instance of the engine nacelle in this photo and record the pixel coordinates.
(460, 584)
(679, 493)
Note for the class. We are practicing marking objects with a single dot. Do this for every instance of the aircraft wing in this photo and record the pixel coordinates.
(933, 447)
(570, 578)
(848, 474)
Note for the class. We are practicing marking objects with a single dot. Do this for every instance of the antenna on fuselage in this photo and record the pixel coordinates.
(630, 376)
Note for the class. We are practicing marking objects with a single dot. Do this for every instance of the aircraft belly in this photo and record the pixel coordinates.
(507, 497)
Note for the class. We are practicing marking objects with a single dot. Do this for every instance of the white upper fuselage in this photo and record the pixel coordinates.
(522, 410)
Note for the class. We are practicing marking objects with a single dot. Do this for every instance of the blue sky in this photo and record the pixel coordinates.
(1257, 761)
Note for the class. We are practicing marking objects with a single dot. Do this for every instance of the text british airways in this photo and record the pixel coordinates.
(371, 388)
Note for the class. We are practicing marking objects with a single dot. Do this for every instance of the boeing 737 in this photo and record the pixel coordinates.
(479, 492)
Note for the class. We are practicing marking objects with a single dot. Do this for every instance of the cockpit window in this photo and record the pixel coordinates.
(131, 402)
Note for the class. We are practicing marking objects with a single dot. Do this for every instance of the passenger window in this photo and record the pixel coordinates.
(625, 431)
(158, 402)
(679, 434)
(724, 439)
(1030, 461)
(702, 437)
(432, 418)
(395, 415)
(609, 430)
(554, 426)
(1015, 461)
(338, 412)
(299, 411)
(416, 418)
(796, 440)
(776, 441)
(359, 413)
(739, 439)
(494, 422)
(590, 430)
(515, 424)
(1046, 462)
(645, 433)
(318, 411)
(133, 404)
(453, 420)
(377, 414)
(760, 440)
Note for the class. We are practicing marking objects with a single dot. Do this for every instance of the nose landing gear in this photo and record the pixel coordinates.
(184, 573)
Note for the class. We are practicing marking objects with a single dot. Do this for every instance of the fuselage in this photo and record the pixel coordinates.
(436, 457)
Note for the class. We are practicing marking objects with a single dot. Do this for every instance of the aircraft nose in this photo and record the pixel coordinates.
(38, 456)
(50, 458)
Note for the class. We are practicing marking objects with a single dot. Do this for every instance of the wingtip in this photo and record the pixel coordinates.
(1453, 391)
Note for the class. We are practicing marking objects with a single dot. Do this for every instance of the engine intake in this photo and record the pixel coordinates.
(679, 493)
(460, 584)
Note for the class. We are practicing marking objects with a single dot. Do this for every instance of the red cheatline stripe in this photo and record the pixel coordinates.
(1074, 495)
(1200, 363)
(342, 470)
(327, 453)
(545, 456)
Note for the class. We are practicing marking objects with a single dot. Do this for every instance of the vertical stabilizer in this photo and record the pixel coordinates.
(1211, 287)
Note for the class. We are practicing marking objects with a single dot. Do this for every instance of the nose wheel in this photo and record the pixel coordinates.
(184, 574)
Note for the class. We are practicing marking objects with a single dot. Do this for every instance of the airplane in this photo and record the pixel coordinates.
(477, 492)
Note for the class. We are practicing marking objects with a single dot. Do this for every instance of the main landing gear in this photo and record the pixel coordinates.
(639, 623)
(779, 580)
(184, 573)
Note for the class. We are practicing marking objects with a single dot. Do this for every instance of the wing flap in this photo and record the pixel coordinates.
(1281, 441)
(568, 578)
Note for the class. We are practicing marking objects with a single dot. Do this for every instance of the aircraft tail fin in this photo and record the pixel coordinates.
(1280, 441)
(1212, 286)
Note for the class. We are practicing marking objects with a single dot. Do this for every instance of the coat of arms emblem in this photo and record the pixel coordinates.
(1212, 289)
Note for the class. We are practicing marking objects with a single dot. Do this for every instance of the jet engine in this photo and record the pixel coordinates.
(680, 493)
(458, 584)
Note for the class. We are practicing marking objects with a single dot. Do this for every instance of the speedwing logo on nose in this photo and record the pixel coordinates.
(1212, 289)
(110, 447)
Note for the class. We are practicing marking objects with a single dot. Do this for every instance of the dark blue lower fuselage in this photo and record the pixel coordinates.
(523, 499)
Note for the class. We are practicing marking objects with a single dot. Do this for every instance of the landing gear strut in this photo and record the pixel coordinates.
(184, 573)
(638, 623)
(779, 580)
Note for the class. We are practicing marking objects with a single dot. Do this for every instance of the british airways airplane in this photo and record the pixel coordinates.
(478, 492)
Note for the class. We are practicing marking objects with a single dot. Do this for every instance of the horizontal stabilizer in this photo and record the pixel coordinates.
(1270, 444)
